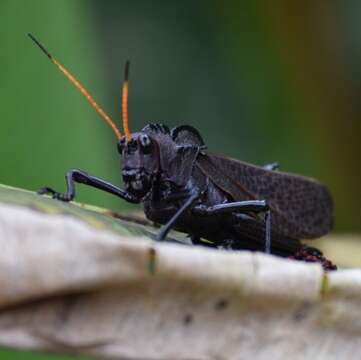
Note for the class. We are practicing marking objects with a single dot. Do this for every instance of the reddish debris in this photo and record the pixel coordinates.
(310, 254)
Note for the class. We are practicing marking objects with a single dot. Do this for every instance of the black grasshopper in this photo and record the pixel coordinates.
(229, 203)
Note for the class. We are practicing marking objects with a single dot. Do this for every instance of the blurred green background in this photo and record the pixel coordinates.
(263, 81)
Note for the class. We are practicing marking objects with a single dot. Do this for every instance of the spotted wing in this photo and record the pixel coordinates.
(301, 207)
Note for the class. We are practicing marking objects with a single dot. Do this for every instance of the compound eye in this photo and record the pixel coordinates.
(145, 143)
(121, 144)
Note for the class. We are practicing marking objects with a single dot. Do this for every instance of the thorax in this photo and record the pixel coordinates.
(166, 197)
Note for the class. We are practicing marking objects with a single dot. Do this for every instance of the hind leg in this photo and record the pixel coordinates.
(241, 207)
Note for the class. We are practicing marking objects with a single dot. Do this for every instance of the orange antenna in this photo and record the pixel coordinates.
(80, 87)
(125, 102)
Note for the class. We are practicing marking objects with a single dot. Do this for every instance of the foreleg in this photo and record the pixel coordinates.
(81, 177)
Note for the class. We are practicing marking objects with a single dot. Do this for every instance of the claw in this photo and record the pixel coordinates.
(46, 190)
(62, 197)
(55, 195)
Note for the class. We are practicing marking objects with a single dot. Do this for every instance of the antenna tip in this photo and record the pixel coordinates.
(32, 37)
(126, 71)
(42, 48)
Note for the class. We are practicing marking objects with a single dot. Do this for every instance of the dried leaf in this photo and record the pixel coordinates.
(74, 279)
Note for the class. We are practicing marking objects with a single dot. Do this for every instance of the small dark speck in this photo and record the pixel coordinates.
(152, 261)
(188, 318)
(221, 304)
(302, 312)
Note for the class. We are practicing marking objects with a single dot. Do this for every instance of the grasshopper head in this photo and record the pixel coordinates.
(140, 157)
